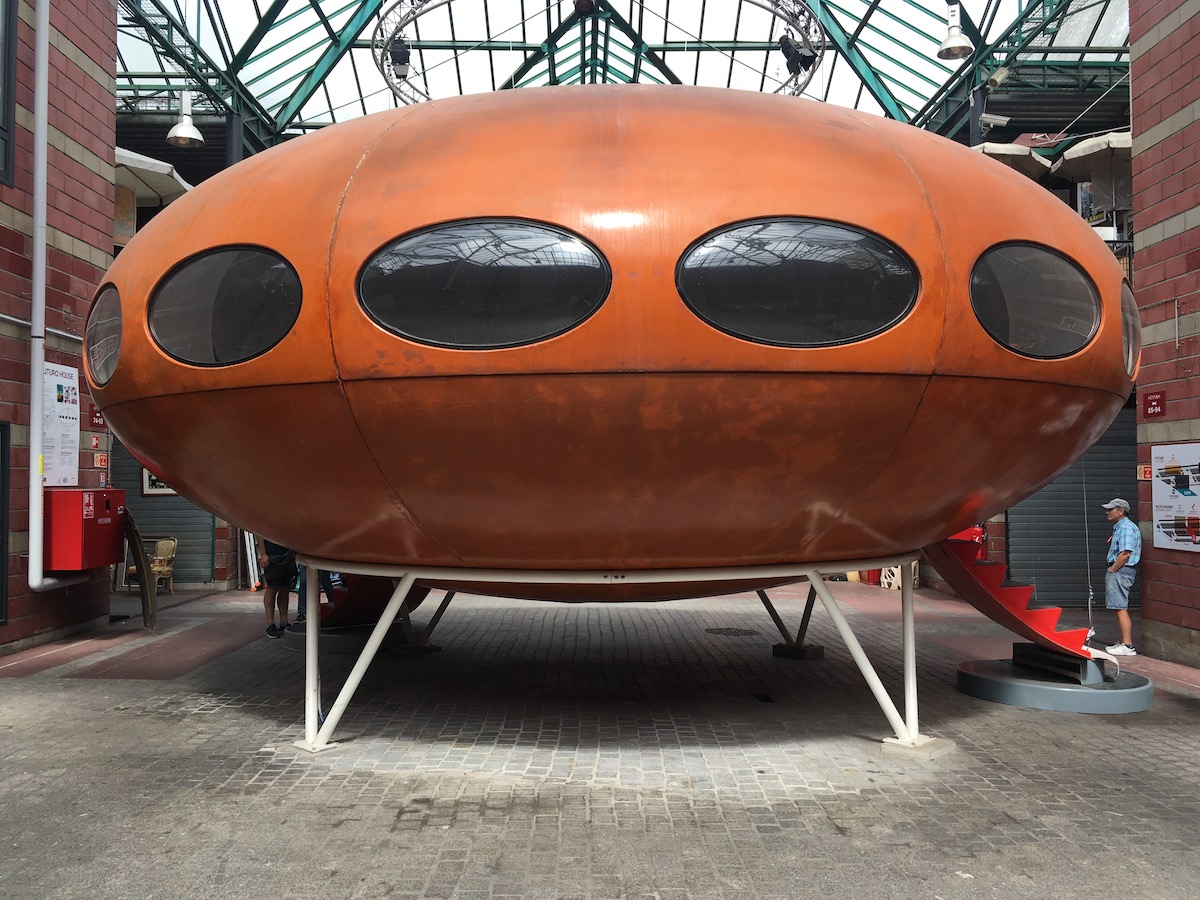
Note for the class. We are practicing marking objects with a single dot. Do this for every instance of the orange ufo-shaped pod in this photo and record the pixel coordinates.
(612, 328)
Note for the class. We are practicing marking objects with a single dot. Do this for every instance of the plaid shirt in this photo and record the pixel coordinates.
(1125, 536)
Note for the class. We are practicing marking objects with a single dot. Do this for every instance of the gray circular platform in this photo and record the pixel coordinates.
(1000, 681)
(350, 639)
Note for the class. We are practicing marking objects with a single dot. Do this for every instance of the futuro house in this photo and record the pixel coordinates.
(612, 328)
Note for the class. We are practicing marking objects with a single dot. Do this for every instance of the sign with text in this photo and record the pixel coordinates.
(1154, 404)
(98, 418)
(1175, 490)
(60, 425)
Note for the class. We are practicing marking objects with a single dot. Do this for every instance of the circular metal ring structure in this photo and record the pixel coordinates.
(802, 42)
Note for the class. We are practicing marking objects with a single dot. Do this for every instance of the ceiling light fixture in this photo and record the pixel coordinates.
(183, 133)
(956, 45)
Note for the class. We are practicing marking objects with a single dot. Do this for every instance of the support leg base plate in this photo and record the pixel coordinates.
(316, 748)
(799, 651)
(921, 748)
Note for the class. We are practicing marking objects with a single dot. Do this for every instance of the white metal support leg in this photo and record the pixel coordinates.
(908, 739)
(312, 666)
(321, 740)
(918, 744)
(860, 657)
(910, 651)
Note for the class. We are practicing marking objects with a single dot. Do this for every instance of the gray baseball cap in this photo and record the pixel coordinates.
(1117, 503)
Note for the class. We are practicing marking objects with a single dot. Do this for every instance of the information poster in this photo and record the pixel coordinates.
(1175, 480)
(60, 426)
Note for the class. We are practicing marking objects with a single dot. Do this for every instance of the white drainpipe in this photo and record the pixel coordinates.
(37, 316)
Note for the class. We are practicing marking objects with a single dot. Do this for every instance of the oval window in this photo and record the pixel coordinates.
(1034, 301)
(102, 337)
(797, 282)
(484, 284)
(1131, 328)
(225, 306)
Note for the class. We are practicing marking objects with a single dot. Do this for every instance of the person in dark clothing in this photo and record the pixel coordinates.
(278, 565)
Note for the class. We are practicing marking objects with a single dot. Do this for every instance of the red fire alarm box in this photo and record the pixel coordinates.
(84, 528)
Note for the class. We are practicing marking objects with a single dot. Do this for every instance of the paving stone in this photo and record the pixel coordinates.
(589, 751)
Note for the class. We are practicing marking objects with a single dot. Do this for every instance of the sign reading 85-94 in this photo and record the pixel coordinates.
(1175, 492)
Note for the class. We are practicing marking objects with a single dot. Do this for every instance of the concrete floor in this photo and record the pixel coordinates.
(554, 751)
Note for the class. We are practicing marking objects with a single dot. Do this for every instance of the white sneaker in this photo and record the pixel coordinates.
(1120, 650)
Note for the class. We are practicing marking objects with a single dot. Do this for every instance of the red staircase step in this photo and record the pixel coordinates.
(981, 585)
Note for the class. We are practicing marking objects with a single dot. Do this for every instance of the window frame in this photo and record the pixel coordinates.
(203, 254)
(1072, 263)
(391, 329)
(5, 484)
(8, 91)
(918, 281)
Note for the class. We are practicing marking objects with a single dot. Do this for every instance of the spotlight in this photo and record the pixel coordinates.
(585, 7)
(401, 56)
(799, 59)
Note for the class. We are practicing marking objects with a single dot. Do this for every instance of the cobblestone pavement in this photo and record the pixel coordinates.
(554, 751)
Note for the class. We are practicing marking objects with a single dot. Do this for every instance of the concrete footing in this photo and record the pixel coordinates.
(921, 748)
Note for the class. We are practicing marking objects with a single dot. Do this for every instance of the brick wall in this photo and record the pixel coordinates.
(80, 178)
(1165, 52)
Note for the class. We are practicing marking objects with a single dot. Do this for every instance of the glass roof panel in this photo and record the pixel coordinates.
(298, 64)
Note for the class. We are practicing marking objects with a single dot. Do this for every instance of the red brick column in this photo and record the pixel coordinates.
(82, 130)
(1165, 53)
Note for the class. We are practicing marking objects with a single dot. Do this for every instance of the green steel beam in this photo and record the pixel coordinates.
(635, 39)
(953, 100)
(864, 70)
(224, 89)
(265, 22)
(330, 58)
(542, 53)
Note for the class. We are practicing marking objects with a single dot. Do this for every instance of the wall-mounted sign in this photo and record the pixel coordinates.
(60, 425)
(1154, 404)
(100, 460)
(1175, 490)
(98, 418)
(1145, 473)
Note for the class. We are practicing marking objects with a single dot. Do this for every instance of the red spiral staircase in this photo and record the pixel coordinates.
(980, 583)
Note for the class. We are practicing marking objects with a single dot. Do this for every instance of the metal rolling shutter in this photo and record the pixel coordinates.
(1051, 533)
(170, 515)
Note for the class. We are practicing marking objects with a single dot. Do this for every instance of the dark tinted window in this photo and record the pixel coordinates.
(484, 283)
(102, 337)
(225, 306)
(1034, 301)
(1131, 328)
(797, 282)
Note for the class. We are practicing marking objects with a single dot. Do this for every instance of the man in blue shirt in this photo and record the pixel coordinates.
(1124, 554)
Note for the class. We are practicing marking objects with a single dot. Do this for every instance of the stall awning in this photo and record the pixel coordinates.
(1017, 157)
(153, 182)
(1080, 161)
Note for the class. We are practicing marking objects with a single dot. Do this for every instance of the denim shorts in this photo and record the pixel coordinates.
(1116, 588)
